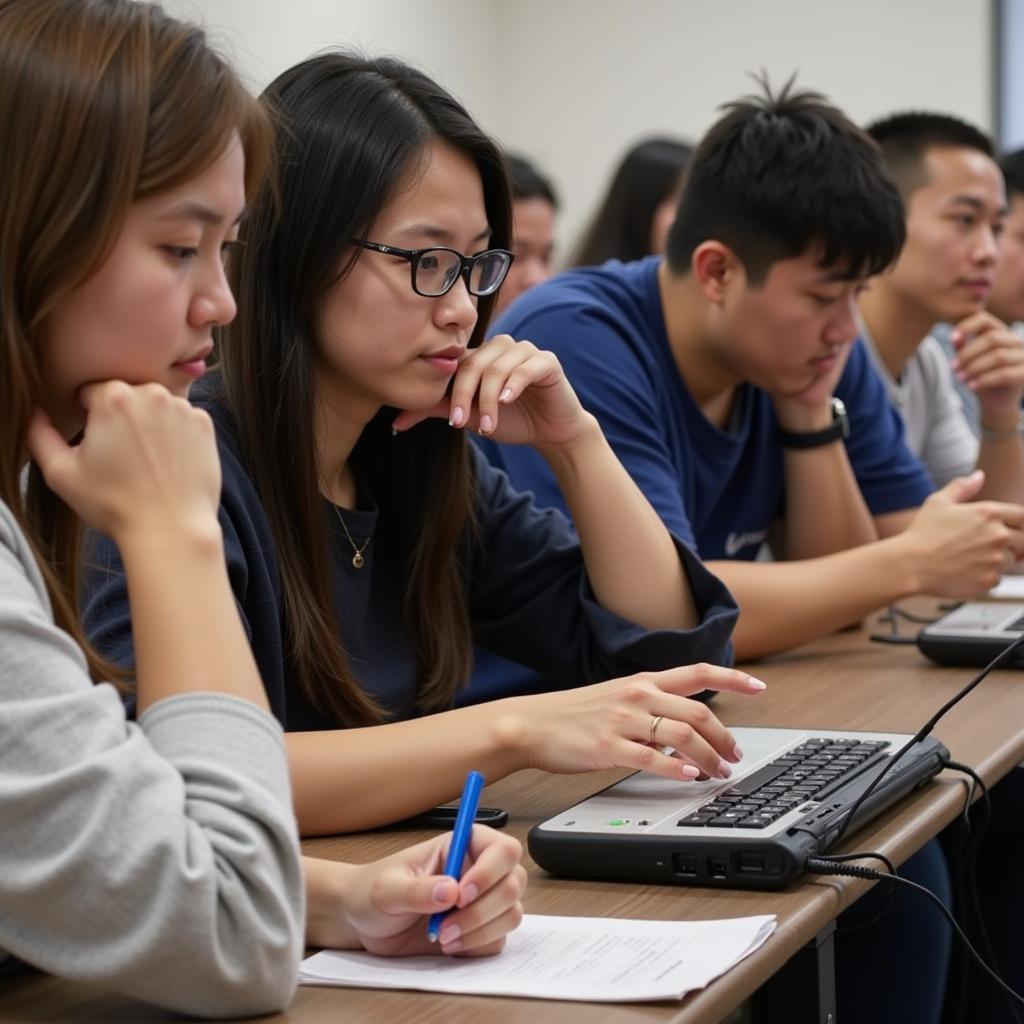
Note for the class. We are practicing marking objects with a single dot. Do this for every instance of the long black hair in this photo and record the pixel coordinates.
(349, 128)
(621, 229)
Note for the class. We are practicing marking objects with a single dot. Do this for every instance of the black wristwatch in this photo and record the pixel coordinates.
(838, 430)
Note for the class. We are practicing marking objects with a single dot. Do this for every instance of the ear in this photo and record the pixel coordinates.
(716, 269)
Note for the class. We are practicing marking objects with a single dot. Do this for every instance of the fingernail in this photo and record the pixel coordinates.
(457, 417)
(690, 771)
(453, 947)
(449, 933)
(724, 770)
(442, 892)
(469, 893)
(756, 684)
(394, 431)
(486, 425)
(505, 395)
(737, 753)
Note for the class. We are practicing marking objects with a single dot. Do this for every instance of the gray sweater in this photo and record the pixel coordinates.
(159, 858)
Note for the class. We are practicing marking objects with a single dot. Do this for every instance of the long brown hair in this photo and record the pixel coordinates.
(349, 130)
(103, 102)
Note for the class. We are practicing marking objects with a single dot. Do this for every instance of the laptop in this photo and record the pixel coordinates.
(784, 803)
(974, 634)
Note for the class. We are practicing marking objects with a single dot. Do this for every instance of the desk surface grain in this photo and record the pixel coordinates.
(842, 682)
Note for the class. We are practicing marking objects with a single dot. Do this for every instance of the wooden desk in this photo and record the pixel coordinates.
(842, 682)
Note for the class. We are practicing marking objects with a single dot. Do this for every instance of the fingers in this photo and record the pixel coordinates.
(47, 447)
(689, 679)
(489, 895)
(655, 712)
(494, 375)
(960, 489)
(493, 856)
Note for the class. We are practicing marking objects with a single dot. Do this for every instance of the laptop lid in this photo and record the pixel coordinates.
(784, 803)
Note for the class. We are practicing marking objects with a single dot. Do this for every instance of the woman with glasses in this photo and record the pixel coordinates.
(368, 543)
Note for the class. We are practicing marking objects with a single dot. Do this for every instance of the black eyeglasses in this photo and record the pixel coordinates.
(435, 270)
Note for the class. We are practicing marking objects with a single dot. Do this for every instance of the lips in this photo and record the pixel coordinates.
(194, 366)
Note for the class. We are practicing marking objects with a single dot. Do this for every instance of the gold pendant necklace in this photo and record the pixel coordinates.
(357, 552)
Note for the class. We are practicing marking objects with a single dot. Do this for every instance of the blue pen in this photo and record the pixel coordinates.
(460, 840)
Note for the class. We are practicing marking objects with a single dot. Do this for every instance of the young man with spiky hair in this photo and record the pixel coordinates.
(715, 375)
(955, 202)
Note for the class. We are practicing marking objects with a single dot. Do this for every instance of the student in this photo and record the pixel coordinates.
(1006, 300)
(955, 203)
(635, 215)
(728, 355)
(534, 206)
(368, 542)
(961, 243)
(159, 858)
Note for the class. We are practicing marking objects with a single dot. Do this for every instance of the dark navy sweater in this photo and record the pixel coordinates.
(529, 597)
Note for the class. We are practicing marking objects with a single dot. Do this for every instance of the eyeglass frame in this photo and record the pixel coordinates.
(466, 264)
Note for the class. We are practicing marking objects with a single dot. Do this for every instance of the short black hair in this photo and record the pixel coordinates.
(1012, 166)
(904, 139)
(528, 182)
(782, 173)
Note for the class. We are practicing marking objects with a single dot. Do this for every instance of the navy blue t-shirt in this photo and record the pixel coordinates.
(718, 491)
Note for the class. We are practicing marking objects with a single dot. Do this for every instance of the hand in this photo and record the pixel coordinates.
(383, 906)
(512, 392)
(990, 361)
(811, 409)
(608, 725)
(148, 461)
(961, 548)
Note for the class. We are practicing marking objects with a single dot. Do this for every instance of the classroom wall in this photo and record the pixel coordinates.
(571, 83)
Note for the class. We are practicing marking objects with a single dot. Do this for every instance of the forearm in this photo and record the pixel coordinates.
(1002, 459)
(825, 510)
(353, 779)
(784, 604)
(187, 633)
(630, 556)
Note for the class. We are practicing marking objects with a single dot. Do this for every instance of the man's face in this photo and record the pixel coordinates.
(533, 242)
(954, 221)
(1007, 298)
(785, 333)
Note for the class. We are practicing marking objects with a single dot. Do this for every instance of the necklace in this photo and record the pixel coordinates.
(357, 552)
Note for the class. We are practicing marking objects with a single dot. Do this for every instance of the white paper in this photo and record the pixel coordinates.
(579, 958)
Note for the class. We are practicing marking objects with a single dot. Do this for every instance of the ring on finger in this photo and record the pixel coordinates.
(655, 722)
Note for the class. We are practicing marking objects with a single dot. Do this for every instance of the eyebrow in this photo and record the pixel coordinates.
(439, 234)
(190, 210)
(976, 204)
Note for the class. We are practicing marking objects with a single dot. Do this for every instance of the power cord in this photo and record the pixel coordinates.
(922, 733)
(838, 865)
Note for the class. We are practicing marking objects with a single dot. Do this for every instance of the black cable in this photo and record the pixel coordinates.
(884, 908)
(836, 866)
(923, 732)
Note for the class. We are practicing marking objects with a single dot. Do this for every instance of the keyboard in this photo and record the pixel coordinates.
(810, 771)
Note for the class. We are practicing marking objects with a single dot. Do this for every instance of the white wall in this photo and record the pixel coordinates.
(571, 83)
(454, 41)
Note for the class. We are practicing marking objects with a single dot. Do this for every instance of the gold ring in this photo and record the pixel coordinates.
(655, 722)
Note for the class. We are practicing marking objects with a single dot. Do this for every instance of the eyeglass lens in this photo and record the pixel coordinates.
(438, 269)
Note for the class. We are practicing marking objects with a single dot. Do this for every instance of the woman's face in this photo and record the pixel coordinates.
(378, 341)
(147, 313)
